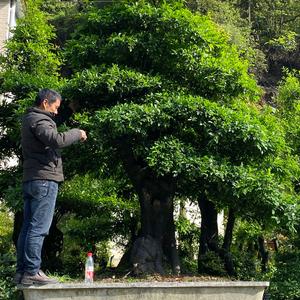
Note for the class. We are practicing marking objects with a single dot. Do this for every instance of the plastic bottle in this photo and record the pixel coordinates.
(89, 268)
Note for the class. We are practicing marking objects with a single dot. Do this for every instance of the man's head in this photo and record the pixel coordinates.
(48, 100)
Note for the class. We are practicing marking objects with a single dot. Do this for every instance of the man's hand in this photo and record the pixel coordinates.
(83, 136)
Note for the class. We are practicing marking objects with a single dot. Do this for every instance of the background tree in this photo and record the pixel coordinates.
(29, 64)
(284, 282)
(270, 28)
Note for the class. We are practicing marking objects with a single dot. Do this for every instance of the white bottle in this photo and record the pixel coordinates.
(89, 268)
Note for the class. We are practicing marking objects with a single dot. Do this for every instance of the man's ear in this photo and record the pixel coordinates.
(44, 103)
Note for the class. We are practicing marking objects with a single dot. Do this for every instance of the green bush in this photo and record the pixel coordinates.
(188, 240)
(289, 92)
(285, 283)
(94, 214)
(8, 289)
(211, 264)
(6, 226)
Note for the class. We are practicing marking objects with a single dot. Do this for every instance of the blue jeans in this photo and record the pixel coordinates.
(39, 203)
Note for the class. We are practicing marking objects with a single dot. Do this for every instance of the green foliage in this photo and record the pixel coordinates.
(285, 281)
(246, 266)
(80, 236)
(188, 244)
(205, 62)
(10, 184)
(285, 284)
(212, 125)
(266, 31)
(129, 54)
(228, 15)
(25, 85)
(29, 64)
(7, 260)
(87, 192)
(188, 237)
(275, 25)
(289, 107)
(289, 93)
(245, 250)
(8, 290)
(286, 42)
(30, 49)
(194, 140)
(100, 86)
(94, 213)
(211, 264)
(270, 19)
(53, 7)
(6, 224)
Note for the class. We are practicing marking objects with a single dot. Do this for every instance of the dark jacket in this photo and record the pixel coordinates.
(40, 146)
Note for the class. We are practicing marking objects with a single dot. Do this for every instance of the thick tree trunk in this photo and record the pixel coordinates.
(229, 230)
(169, 242)
(157, 235)
(209, 226)
(209, 231)
(157, 231)
(209, 234)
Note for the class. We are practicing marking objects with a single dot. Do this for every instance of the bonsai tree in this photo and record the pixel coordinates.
(168, 100)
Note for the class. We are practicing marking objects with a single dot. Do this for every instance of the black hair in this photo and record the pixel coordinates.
(48, 94)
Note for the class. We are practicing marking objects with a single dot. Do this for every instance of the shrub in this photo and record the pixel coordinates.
(285, 283)
(7, 256)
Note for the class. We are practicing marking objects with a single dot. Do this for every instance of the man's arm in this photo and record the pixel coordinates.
(47, 133)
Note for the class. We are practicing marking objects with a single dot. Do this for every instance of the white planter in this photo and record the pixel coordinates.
(210, 290)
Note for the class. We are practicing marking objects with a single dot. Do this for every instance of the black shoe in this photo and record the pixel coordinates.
(40, 278)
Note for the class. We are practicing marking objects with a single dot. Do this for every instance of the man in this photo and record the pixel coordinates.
(42, 172)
